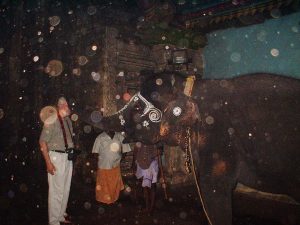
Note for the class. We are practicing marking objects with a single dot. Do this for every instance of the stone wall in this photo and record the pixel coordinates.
(122, 62)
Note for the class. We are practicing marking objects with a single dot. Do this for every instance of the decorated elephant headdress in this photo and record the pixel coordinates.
(160, 108)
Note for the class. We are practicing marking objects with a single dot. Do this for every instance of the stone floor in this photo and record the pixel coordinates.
(182, 207)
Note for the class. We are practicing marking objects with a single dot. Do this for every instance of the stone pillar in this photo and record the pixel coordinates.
(162, 55)
(109, 71)
(198, 62)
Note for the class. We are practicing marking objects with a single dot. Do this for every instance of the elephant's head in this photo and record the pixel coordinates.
(178, 115)
(158, 113)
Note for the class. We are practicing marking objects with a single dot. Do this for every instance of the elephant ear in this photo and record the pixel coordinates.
(181, 112)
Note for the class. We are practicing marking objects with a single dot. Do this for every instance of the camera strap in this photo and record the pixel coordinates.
(63, 131)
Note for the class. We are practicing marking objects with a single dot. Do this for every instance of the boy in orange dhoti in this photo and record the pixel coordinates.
(109, 182)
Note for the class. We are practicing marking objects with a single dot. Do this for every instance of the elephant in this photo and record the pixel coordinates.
(244, 129)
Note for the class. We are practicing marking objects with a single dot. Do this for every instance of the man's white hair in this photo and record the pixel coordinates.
(62, 101)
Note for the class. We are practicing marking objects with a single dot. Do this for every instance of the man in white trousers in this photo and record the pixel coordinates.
(55, 140)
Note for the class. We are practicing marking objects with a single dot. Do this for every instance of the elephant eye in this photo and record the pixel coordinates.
(137, 107)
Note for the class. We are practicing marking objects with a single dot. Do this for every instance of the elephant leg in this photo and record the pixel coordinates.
(217, 201)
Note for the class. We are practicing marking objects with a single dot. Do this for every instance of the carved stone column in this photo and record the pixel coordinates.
(198, 62)
(109, 71)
